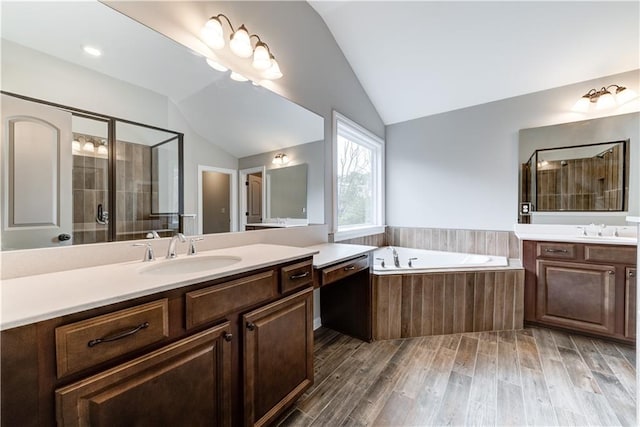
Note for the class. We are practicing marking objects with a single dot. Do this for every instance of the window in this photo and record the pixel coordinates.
(358, 179)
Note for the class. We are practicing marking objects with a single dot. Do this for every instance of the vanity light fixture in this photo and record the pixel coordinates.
(237, 77)
(280, 159)
(216, 66)
(240, 44)
(102, 148)
(88, 145)
(604, 99)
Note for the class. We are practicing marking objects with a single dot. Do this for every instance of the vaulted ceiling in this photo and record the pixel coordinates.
(419, 58)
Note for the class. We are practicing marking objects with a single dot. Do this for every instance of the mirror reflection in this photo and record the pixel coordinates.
(580, 172)
(145, 78)
(287, 193)
(582, 178)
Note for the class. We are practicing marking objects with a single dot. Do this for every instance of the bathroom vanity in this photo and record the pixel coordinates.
(342, 272)
(581, 286)
(228, 346)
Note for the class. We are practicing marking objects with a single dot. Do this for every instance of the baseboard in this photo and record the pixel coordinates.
(317, 322)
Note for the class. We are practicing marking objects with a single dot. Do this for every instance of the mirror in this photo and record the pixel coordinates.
(579, 172)
(287, 193)
(583, 178)
(144, 77)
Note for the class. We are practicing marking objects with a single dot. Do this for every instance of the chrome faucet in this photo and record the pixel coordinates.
(396, 261)
(171, 251)
(600, 231)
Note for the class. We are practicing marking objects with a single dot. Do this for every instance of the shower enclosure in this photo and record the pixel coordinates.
(126, 180)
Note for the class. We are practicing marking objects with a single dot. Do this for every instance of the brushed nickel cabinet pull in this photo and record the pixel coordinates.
(251, 326)
(611, 272)
(299, 276)
(555, 251)
(632, 274)
(119, 335)
(350, 267)
(228, 337)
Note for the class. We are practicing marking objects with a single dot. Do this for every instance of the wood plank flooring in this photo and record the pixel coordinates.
(532, 376)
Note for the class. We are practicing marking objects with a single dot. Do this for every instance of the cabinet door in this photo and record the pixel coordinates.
(630, 304)
(184, 383)
(575, 295)
(278, 356)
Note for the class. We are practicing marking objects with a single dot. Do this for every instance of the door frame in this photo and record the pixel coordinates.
(243, 192)
(233, 195)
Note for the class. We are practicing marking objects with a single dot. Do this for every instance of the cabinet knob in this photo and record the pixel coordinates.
(228, 337)
(611, 272)
(251, 326)
(632, 274)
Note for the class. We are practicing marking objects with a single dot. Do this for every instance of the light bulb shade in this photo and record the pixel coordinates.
(240, 43)
(273, 72)
(238, 77)
(280, 159)
(212, 33)
(261, 57)
(75, 145)
(216, 66)
(605, 101)
(624, 95)
(88, 147)
(102, 150)
(582, 105)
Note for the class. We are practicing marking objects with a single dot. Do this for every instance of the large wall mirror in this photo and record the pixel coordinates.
(580, 172)
(144, 78)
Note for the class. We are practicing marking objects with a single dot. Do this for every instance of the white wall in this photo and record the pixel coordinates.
(460, 169)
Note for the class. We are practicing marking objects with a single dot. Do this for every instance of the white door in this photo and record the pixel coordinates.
(254, 198)
(36, 175)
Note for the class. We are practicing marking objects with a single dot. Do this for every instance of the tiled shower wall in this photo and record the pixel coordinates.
(133, 193)
(90, 188)
(501, 243)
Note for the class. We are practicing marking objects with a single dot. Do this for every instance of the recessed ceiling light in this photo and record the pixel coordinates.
(92, 50)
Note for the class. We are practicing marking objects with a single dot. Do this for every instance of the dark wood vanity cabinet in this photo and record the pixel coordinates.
(581, 287)
(187, 382)
(278, 356)
(345, 297)
(630, 303)
(227, 352)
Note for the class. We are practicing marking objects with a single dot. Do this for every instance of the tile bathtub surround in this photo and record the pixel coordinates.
(484, 242)
(373, 240)
(444, 303)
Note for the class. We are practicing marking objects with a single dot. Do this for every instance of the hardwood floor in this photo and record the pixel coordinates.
(532, 376)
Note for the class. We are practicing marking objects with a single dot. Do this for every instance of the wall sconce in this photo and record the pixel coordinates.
(280, 159)
(603, 98)
(240, 44)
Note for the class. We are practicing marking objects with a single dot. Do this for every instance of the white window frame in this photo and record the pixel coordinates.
(364, 137)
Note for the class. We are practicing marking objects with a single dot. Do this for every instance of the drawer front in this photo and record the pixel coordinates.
(344, 269)
(296, 276)
(87, 343)
(557, 250)
(215, 302)
(615, 254)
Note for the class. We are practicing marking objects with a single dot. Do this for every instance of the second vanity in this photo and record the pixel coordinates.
(119, 342)
(582, 283)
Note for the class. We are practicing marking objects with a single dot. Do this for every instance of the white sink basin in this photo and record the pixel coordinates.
(194, 264)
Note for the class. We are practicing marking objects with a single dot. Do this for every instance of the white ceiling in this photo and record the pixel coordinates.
(420, 58)
(240, 118)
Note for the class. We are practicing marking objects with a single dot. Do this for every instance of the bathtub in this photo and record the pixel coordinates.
(423, 260)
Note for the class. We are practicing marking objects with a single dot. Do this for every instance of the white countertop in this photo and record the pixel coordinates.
(633, 219)
(40, 297)
(571, 233)
(331, 253)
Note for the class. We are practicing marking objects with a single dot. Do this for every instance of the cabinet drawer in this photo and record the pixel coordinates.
(83, 344)
(296, 276)
(615, 254)
(214, 302)
(344, 269)
(557, 250)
